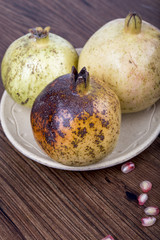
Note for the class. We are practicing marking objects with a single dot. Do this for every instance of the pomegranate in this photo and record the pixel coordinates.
(34, 60)
(124, 54)
(75, 120)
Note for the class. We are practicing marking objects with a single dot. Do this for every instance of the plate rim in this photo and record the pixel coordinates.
(97, 166)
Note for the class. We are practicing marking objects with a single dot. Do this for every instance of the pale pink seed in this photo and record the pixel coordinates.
(127, 167)
(146, 186)
(151, 211)
(148, 221)
(143, 197)
(109, 237)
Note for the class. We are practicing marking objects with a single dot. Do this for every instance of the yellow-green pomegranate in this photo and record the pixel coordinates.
(75, 120)
(125, 55)
(34, 60)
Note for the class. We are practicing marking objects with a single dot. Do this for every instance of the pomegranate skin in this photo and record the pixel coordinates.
(76, 126)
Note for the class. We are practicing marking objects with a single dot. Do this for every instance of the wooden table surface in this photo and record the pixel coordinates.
(38, 202)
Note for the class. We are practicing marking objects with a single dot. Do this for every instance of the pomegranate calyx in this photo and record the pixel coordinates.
(39, 32)
(133, 23)
(79, 81)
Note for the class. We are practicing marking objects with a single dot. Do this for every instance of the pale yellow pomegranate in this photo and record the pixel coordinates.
(34, 60)
(125, 55)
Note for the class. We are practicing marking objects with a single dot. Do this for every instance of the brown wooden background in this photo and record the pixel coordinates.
(43, 203)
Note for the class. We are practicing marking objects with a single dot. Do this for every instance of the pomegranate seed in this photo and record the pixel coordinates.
(142, 198)
(146, 186)
(127, 167)
(109, 237)
(148, 221)
(151, 211)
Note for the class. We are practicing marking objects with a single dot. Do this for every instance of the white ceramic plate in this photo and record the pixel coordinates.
(138, 131)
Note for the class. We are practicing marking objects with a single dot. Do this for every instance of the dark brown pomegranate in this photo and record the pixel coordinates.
(75, 120)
